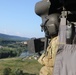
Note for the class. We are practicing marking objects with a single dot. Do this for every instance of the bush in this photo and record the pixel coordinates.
(7, 71)
(18, 72)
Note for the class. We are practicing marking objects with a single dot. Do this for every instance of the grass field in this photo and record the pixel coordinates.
(29, 66)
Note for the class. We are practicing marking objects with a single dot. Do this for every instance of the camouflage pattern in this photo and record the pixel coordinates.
(47, 59)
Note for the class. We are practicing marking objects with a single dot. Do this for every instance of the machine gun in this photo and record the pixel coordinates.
(53, 14)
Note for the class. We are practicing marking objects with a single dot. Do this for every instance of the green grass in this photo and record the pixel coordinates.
(29, 66)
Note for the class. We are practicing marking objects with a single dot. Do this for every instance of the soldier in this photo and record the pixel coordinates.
(61, 30)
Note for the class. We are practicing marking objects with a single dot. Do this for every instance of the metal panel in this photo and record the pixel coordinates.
(35, 45)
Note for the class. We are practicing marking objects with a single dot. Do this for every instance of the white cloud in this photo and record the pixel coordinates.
(18, 34)
(4, 31)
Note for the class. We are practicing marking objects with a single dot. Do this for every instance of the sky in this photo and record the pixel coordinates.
(17, 17)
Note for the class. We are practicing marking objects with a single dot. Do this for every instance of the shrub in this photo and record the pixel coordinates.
(7, 71)
(18, 72)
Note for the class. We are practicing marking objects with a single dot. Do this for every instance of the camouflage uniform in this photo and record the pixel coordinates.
(47, 59)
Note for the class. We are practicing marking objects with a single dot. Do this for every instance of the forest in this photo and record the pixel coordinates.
(9, 48)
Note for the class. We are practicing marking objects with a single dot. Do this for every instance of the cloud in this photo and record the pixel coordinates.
(18, 33)
(4, 31)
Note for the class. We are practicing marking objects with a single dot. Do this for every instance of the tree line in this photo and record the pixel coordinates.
(11, 49)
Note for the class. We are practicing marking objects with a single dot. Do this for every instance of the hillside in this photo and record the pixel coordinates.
(28, 66)
(10, 37)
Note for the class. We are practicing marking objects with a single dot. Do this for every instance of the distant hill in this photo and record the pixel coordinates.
(10, 37)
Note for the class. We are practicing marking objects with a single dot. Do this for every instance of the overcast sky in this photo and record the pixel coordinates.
(17, 17)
